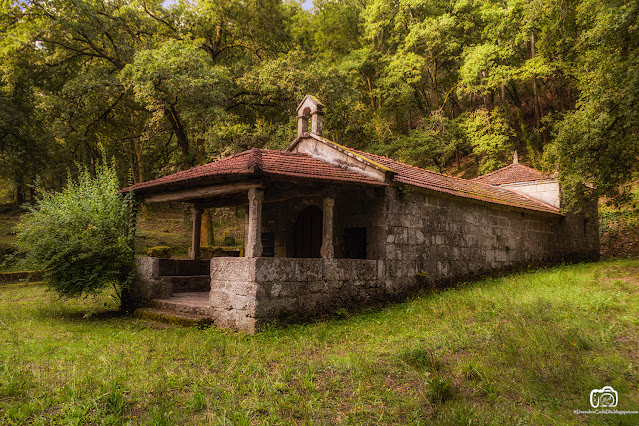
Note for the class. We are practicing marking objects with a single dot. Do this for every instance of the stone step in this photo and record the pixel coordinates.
(172, 317)
(195, 303)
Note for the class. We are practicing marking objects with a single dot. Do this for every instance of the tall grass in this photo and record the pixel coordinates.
(526, 349)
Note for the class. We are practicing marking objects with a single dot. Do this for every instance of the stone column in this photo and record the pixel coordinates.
(197, 229)
(327, 251)
(316, 125)
(302, 124)
(253, 243)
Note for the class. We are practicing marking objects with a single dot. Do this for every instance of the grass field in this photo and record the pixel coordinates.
(525, 349)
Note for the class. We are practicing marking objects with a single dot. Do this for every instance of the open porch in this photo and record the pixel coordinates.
(313, 241)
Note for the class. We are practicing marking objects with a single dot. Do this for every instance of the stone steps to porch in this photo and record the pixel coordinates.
(187, 309)
(173, 318)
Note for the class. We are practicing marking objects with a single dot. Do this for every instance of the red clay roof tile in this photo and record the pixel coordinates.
(294, 164)
(415, 176)
(512, 173)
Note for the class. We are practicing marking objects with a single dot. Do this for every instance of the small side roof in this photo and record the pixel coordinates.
(513, 173)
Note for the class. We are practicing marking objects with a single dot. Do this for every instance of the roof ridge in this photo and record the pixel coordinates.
(237, 154)
(254, 162)
(512, 165)
(421, 169)
(277, 151)
(495, 171)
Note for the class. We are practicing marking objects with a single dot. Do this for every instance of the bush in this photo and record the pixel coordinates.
(159, 251)
(229, 240)
(440, 390)
(83, 236)
(207, 252)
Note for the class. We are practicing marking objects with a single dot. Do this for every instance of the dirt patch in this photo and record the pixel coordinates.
(629, 343)
(21, 276)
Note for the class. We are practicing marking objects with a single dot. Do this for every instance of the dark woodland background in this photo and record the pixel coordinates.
(452, 86)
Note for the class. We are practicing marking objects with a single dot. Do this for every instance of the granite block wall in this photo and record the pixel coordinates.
(247, 293)
(448, 238)
(409, 232)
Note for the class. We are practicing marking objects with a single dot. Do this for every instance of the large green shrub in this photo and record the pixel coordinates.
(83, 236)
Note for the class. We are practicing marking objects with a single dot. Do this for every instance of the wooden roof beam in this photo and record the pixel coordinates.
(193, 194)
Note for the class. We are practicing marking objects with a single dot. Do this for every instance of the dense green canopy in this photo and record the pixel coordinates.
(441, 84)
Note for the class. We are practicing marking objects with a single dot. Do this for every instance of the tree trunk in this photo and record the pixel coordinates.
(503, 87)
(435, 89)
(199, 152)
(137, 145)
(182, 140)
(537, 100)
(19, 194)
(208, 236)
(370, 93)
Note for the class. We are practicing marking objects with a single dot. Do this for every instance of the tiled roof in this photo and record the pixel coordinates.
(254, 161)
(456, 186)
(295, 164)
(511, 174)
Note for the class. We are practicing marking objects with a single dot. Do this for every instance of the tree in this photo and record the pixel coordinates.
(597, 145)
(178, 83)
(489, 134)
(158, 86)
(82, 237)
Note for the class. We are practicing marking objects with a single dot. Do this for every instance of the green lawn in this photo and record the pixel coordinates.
(526, 349)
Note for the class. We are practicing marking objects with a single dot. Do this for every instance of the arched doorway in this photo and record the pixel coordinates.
(308, 233)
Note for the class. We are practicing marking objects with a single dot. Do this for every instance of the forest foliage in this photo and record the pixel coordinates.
(434, 83)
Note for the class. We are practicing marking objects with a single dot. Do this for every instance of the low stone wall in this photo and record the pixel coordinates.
(250, 292)
(450, 239)
(158, 278)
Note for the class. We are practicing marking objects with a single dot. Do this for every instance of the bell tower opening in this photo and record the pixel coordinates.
(309, 112)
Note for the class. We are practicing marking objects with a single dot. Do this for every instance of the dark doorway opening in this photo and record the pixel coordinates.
(308, 233)
(355, 243)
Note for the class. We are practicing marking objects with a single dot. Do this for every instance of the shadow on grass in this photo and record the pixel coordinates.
(70, 314)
